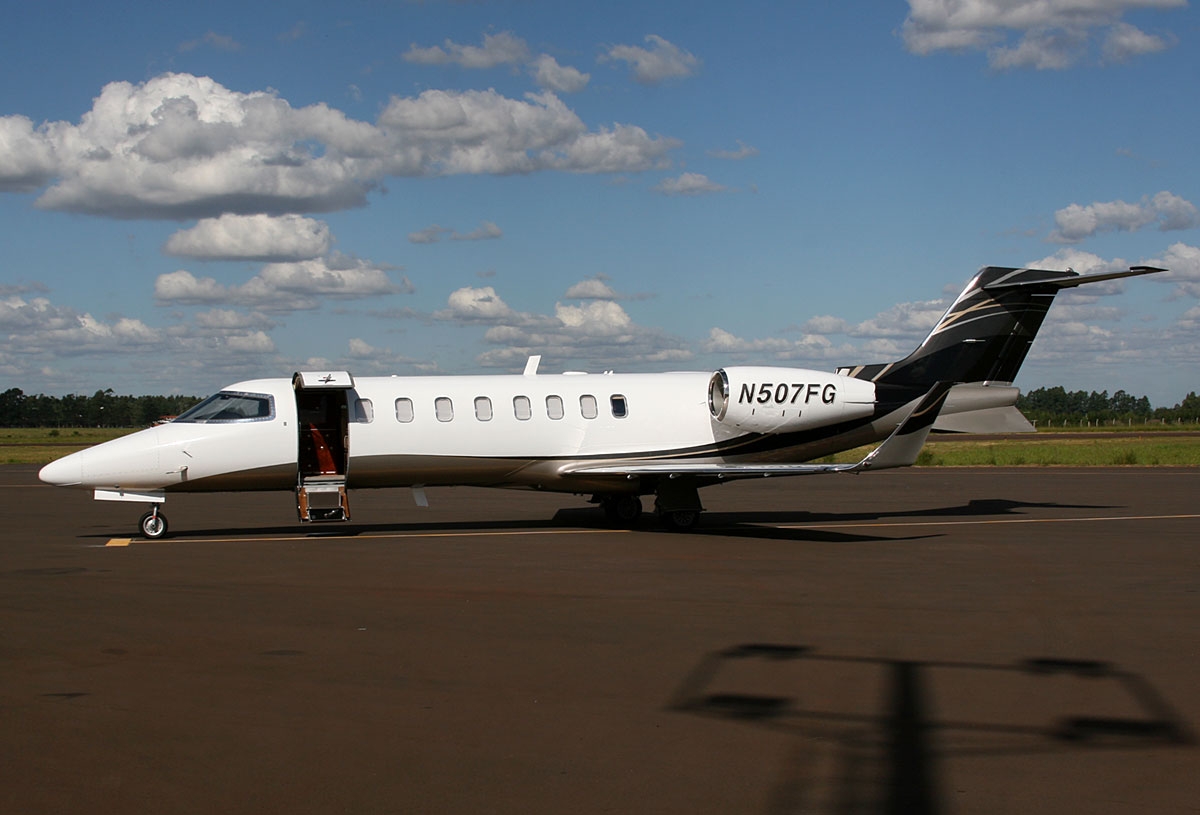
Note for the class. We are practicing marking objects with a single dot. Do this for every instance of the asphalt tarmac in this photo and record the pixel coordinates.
(925, 641)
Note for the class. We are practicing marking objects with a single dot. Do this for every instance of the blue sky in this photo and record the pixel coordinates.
(199, 194)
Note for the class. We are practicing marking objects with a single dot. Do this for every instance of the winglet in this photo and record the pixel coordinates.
(904, 445)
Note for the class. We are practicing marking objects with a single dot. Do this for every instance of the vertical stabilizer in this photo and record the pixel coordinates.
(986, 333)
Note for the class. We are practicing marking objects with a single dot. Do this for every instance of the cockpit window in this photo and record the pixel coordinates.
(231, 406)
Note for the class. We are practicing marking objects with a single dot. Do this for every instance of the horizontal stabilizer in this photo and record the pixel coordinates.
(989, 420)
(1024, 278)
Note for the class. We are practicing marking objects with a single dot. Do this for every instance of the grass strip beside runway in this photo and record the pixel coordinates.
(1090, 450)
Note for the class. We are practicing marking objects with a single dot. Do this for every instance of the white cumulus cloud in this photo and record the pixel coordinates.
(688, 184)
(904, 320)
(1125, 41)
(1183, 261)
(253, 237)
(503, 48)
(37, 327)
(1040, 34)
(282, 287)
(593, 288)
(182, 146)
(27, 159)
(547, 73)
(1171, 212)
(660, 61)
(476, 305)
(597, 332)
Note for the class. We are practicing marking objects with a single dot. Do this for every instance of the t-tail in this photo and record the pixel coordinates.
(986, 333)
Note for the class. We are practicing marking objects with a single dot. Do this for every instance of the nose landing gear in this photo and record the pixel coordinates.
(153, 524)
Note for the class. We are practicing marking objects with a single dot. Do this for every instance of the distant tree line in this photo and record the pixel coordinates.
(1051, 406)
(101, 409)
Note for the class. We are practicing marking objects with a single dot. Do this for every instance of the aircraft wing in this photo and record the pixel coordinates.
(899, 450)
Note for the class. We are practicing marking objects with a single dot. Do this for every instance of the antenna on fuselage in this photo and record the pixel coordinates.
(531, 365)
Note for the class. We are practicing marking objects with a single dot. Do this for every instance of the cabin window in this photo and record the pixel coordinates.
(483, 408)
(364, 411)
(404, 409)
(443, 408)
(231, 406)
(554, 407)
(587, 406)
(620, 409)
(522, 409)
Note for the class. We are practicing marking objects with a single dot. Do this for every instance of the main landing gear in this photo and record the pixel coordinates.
(621, 510)
(676, 503)
(153, 524)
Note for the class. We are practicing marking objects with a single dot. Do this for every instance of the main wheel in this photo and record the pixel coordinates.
(681, 520)
(153, 524)
(622, 510)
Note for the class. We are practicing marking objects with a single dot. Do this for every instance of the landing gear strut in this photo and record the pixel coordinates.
(153, 524)
(677, 503)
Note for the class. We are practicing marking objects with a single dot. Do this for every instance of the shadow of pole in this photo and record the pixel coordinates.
(887, 753)
(910, 786)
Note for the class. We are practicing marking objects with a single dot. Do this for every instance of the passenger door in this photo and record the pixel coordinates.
(323, 452)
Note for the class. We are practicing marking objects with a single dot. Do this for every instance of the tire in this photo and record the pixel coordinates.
(626, 509)
(153, 525)
(622, 510)
(681, 520)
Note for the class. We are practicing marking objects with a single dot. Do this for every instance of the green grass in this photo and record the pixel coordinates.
(1084, 452)
(1091, 450)
(1154, 427)
(39, 445)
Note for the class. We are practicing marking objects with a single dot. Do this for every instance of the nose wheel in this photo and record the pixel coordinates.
(153, 524)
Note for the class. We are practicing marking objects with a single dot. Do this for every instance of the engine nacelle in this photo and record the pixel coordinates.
(783, 400)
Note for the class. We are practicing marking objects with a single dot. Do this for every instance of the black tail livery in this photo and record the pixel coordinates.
(986, 333)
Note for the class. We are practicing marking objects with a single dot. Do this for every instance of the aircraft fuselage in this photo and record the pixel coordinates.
(515, 431)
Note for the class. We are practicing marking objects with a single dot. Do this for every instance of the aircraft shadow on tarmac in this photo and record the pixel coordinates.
(762, 524)
(884, 749)
(975, 508)
(773, 524)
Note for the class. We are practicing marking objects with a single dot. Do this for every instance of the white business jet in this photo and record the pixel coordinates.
(614, 436)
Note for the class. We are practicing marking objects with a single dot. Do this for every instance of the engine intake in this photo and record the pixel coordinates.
(782, 400)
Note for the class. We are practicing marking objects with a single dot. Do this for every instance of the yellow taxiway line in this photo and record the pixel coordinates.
(990, 522)
(370, 536)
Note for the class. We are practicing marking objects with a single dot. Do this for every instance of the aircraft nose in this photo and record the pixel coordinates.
(64, 472)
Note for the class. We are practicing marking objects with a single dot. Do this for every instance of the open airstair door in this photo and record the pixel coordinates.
(323, 416)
